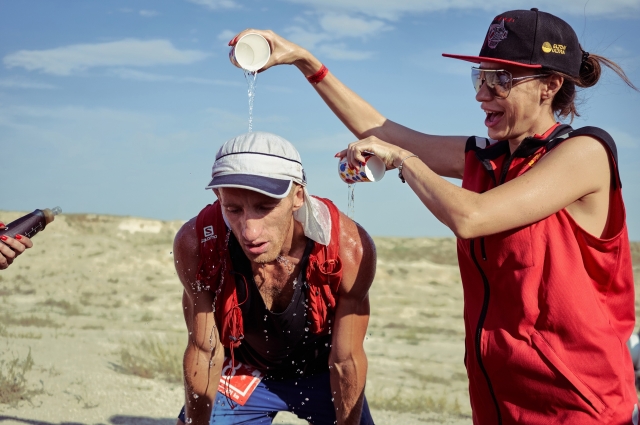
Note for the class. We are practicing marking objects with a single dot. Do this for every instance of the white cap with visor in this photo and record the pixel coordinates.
(268, 164)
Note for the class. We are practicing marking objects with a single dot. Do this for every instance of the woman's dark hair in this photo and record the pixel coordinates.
(564, 102)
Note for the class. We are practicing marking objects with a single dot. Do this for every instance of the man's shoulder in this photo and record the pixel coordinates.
(353, 235)
(358, 257)
(186, 239)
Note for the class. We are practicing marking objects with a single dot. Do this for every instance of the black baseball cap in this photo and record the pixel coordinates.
(530, 39)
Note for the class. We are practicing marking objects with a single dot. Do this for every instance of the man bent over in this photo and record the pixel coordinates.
(275, 295)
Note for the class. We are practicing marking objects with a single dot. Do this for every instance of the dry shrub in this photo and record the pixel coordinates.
(435, 250)
(152, 358)
(413, 403)
(13, 381)
(67, 308)
(32, 320)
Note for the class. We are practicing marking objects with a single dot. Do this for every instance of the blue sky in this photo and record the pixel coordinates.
(118, 107)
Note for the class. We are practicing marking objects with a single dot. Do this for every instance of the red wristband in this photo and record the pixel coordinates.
(318, 76)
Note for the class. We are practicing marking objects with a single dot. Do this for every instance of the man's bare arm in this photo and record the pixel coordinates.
(204, 354)
(348, 361)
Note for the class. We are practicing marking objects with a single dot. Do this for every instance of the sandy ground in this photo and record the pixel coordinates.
(94, 289)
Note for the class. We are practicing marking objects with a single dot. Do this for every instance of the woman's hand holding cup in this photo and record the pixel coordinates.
(390, 154)
(283, 52)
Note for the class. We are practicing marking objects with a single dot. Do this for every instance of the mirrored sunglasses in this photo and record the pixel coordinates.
(499, 81)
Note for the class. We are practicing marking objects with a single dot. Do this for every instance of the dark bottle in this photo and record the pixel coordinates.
(30, 224)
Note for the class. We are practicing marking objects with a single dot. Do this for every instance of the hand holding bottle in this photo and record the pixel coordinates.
(10, 247)
(14, 237)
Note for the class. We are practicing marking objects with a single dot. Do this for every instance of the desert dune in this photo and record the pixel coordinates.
(91, 328)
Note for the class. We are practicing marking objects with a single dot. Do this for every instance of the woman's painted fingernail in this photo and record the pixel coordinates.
(1, 224)
(337, 155)
(18, 237)
(230, 41)
(3, 237)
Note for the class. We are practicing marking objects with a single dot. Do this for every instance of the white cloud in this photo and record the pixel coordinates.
(340, 51)
(227, 35)
(305, 38)
(148, 13)
(21, 83)
(216, 4)
(332, 28)
(342, 25)
(79, 57)
(393, 10)
(132, 74)
(328, 24)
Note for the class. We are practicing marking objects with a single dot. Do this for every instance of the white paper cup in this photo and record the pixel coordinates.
(251, 52)
(372, 171)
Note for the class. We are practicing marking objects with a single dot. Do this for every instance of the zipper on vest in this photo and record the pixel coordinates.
(483, 315)
(505, 168)
(482, 251)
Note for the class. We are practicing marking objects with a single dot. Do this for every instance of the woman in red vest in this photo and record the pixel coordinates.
(542, 239)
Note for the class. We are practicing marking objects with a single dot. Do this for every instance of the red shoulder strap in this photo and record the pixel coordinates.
(215, 274)
(324, 275)
(210, 234)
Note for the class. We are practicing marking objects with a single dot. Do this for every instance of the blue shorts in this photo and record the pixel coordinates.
(308, 398)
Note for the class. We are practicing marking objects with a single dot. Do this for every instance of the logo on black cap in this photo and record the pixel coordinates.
(554, 48)
(496, 34)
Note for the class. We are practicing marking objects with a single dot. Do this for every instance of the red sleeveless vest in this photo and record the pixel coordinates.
(548, 307)
(324, 274)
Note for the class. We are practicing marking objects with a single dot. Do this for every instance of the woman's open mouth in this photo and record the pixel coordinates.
(493, 118)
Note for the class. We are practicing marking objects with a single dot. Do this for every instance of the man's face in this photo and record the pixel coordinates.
(260, 223)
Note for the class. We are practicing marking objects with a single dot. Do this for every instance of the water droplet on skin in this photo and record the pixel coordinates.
(195, 396)
(306, 399)
(306, 329)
